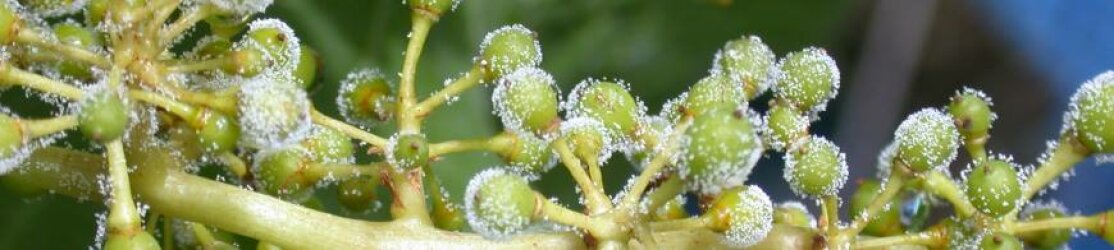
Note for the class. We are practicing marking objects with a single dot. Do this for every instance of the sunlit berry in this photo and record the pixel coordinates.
(508, 48)
(927, 140)
(527, 100)
(499, 204)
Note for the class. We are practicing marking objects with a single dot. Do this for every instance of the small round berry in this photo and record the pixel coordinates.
(885, 223)
(328, 145)
(808, 79)
(927, 140)
(308, 65)
(9, 21)
(712, 92)
(589, 139)
(95, 10)
(608, 102)
(365, 97)
(499, 204)
(971, 111)
(245, 61)
(433, 7)
(76, 35)
(1045, 239)
(816, 168)
(994, 188)
(529, 155)
(672, 210)
(357, 193)
(1000, 241)
(407, 151)
(526, 100)
(1092, 113)
(277, 40)
(748, 62)
(138, 240)
(784, 126)
(794, 214)
(720, 150)
(745, 215)
(103, 117)
(280, 171)
(273, 113)
(506, 49)
(216, 131)
(12, 136)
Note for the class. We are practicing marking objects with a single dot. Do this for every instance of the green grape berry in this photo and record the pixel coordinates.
(885, 223)
(529, 155)
(784, 126)
(12, 137)
(721, 149)
(608, 102)
(744, 214)
(1044, 239)
(245, 61)
(927, 140)
(95, 10)
(277, 41)
(994, 188)
(273, 113)
(216, 131)
(999, 241)
(588, 139)
(328, 145)
(527, 100)
(308, 65)
(365, 97)
(357, 193)
(816, 169)
(9, 22)
(407, 151)
(808, 79)
(972, 114)
(499, 204)
(140, 240)
(1092, 113)
(75, 35)
(506, 49)
(748, 62)
(794, 214)
(280, 171)
(712, 92)
(672, 210)
(103, 117)
(433, 7)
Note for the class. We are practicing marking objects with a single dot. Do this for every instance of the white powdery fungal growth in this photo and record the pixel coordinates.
(506, 62)
(532, 168)
(815, 153)
(56, 8)
(639, 155)
(818, 65)
(1037, 206)
(749, 61)
(240, 7)
(349, 85)
(726, 163)
(927, 129)
(886, 161)
(589, 125)
(753, 218)
(982, 96)
(273, 114)
(1085, 105)
(485, 212)
(507, 106)
(286, 61)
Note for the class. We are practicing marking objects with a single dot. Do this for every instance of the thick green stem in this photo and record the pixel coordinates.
(1066, 154)
(669, 189)
(889, 191)
(595, 197)
(409, 204)
(408, 122)
(123, 219)
(936, 183)
(11, 75)
(656, 164)
(42, 127)
(71, 52)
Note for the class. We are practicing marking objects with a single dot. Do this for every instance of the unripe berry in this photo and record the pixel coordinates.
(994, 188)
(328, 145)
(407, 151)
(1044, 239)
(308, 64)
(357, 193)
(745, 215)
(722, 147)
(499, 204)
(280, 171)
(245, 61)
(1092, 113)
(506, 49)
(888, 221)
(794, 214)
(433, 7)
(927, 140)
(103, 117)
(216, 131)
(526, 100)
(95, 10)
(76, 35)
(608, 102)
(971, 111)
(138, 240)
(9, 22)
(588, 139)
(748, 62)
(273, 112)
(808, 79)
(815, 169)
(277, 41)
(672, 210)
(365, 97)
(529, 155)
(712, 92)
(12, 137)
(1000, 241)
(784, 126)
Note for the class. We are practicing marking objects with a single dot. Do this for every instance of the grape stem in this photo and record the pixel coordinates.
(1091, 223)
(829, 209)
(41, 127)
(936, 183)
(187, 20)
(594, 196)
(893, 185)
(32, 38)
(188, 66)
(496, 143)
(408, 122)
(34, 81)
(656, 164)
(351, 131)
(467, 81)
(680, 224)
(599, 228)
(123, 219)
(668, 190)
(927, 238)
(1065, 155)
